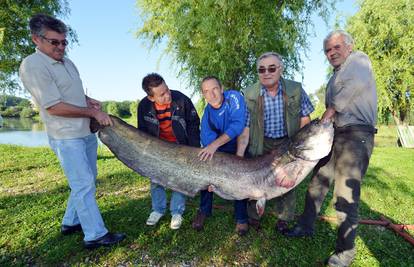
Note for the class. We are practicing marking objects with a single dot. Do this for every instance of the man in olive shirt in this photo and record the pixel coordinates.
(56, 88)
(351, 103)
(277, 109)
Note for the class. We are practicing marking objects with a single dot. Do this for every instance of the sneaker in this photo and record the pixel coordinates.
(176, 221)
(341, 259)
(154, 218)
(198, 222)
(242, 228)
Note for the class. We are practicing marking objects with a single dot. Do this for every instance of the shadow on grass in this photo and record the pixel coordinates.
(387, 247)
(31, 231)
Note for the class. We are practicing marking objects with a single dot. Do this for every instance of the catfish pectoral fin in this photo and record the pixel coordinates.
(260, 206)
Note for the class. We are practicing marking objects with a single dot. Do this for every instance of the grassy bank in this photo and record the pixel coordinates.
(33, 193)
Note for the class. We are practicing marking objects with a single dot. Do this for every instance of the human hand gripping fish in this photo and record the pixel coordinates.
(179, 168)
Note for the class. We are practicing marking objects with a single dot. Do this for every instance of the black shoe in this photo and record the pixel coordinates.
(70, 229)
(242, 229)
(255, 224)
(107, 240)
(298, 231)
(198, 222)
(282, 226)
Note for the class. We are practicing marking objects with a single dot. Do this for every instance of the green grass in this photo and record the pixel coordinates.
(33, 194)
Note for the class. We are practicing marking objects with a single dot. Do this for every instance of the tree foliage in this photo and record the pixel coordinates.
(318, 101)
(224, 38)
(15, 39)
(384, 30)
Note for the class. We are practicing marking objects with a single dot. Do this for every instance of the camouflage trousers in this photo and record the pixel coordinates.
(345, 166)
(284, 205)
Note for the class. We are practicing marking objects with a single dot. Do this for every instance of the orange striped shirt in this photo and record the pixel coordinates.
(164, 117)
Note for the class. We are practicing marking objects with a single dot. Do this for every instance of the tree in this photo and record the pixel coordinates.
(384, 30)
(113, 108)
(224, 38)
(318, 101)
(15, 39)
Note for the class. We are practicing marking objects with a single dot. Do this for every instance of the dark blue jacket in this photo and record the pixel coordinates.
(185, 120)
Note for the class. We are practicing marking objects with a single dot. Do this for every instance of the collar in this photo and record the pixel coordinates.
(279, 89)
(49, 59)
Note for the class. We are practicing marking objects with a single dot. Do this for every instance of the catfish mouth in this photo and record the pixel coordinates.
(313, 143)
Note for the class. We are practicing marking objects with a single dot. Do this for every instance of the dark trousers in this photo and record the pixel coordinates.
(206, 206)
(285, 204)
(206, 198)
(345, 166)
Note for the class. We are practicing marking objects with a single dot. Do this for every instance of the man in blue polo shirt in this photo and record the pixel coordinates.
(223, 121)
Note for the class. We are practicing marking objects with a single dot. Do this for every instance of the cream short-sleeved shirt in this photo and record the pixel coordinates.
(50, 82)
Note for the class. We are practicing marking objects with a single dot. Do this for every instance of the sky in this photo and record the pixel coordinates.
(112, 61)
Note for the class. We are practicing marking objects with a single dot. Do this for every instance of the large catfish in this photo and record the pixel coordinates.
(179, 168)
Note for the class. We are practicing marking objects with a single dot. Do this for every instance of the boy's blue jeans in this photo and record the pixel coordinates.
(159, 200)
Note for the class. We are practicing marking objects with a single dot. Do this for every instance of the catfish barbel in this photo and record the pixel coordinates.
(179, 168)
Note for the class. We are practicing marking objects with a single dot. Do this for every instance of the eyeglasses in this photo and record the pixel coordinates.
(55, 42)
(270, 69)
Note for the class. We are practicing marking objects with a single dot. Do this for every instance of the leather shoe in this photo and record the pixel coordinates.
(282, 226)
(242, 228)
(107, 240)
(198, 222)
(254, 223)
(298, 231)
(70, 229)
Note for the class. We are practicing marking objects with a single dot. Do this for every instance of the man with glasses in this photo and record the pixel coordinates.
(278, 108)
(351, 103)
(56, 88)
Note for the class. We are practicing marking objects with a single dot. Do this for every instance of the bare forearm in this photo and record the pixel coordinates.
(71, 111)
(207, 152)
(67, 110)
(242, 142)
(223, 139)
(304, 120)
(328, 114)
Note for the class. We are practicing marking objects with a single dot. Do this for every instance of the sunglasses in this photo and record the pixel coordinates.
(270, 69)
(55, 42)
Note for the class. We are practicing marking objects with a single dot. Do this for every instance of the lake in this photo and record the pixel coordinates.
(23, 132)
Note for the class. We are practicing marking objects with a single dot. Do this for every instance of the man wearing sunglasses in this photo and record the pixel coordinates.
(56, 88)
(278, 108)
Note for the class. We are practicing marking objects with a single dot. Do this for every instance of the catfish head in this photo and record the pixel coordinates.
(313, 141)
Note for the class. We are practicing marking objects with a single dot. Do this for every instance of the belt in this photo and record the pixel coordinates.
(277, 138)
(356, 128)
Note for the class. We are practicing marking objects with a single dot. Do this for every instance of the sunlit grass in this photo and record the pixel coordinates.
(33, 193)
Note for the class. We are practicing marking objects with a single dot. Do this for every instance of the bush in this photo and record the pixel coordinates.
(113, 109)
(27, 112)
(124, 108)
(133, 109)
(120, 109)
(12, 112)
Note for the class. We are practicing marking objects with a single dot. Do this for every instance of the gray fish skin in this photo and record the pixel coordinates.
(178, 167)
